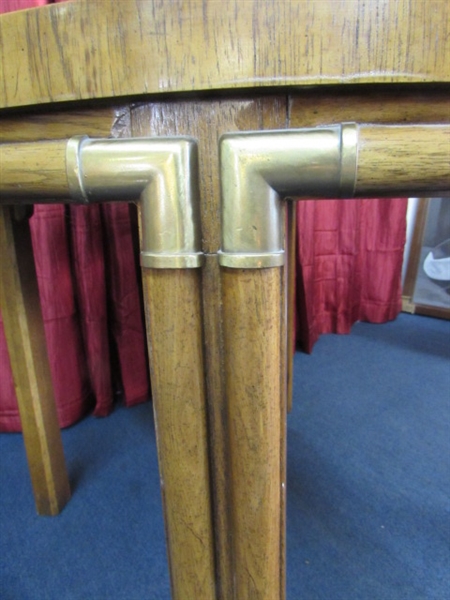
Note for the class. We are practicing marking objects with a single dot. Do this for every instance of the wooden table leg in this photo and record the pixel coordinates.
(252, 306)
(174, 325)
(290, 294)
(24, 331)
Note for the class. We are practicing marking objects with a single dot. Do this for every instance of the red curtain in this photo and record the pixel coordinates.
(349, 262)
(10, 5)
(349, 268)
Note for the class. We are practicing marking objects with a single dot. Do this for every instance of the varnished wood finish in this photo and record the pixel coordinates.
(286, 363)
(21, 314)
(24, 331)
(370, 104)
(60, 124)
(35, 170)
(256, 418)
(207, 120)
(151, 47)
(291, 256)
(409, 160)
(173, 315)
(138, 48)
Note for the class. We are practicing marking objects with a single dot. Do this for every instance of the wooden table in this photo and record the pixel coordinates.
(201, 70)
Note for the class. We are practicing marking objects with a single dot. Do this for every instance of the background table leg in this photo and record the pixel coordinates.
(24, 331)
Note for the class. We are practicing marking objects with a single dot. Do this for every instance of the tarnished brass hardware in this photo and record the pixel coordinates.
(161, 173)
(349, 159)
(73, 168)
(258, 169)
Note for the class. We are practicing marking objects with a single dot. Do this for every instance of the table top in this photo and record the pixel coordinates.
(104, 48)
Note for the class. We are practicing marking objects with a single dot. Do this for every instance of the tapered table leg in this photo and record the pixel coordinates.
(290, 294)
(252, 308)
(173, 312)
(24, 331)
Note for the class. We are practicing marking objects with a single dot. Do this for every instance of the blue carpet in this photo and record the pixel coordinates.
(108, 542)
(368, 484)
(368, 465)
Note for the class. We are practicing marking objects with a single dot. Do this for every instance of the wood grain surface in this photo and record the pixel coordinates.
(384, 104)
(291, 272)
(173, 317)
(207, 120)
(409, 160)
(105, 48)
(24, 331)
(63, 123)
(257, 418)
(108, 49)
(33, 166)
(34, 171)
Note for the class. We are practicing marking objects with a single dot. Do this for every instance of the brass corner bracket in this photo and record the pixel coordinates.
(258, 169)
(161, 173)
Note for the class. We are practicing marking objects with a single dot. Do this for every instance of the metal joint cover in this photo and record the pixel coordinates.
(161, 173)
(258, 169)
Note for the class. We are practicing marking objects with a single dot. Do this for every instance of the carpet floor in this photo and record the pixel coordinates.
(368, 510)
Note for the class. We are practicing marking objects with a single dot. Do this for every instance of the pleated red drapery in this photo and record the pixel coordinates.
(349, 263)
(348, 268)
